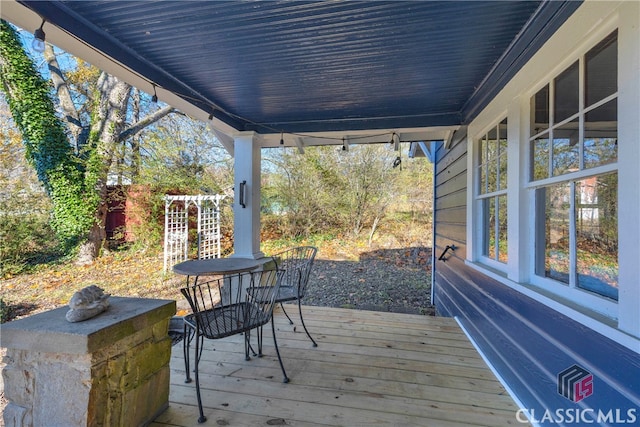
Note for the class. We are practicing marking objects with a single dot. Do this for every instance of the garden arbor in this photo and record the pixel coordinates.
(176, 227)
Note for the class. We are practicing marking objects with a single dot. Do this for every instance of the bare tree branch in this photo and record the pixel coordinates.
(144, 122)
(70, 113)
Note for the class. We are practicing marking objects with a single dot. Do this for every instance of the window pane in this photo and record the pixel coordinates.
(492, 160)
(601, 71)
(540, 111)
(597, 234)
(492, 176)
(490, 228)
(492, 144)
(502, 138)
(601, 135)
(503, 172)
(566, 94)
(566, 154)
(502, 229)
(540, 158)
(557, 206)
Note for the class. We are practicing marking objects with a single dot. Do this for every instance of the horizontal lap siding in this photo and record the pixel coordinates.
(451, 196)
(527, 343)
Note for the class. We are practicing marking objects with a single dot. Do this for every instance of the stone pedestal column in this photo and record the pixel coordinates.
(111, 370)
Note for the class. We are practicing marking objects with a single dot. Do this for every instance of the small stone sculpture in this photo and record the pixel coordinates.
(87, 303)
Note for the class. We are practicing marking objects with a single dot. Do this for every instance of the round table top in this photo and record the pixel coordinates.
(203, 267)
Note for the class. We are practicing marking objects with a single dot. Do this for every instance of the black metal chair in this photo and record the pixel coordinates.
(231, 305)
(296, 263)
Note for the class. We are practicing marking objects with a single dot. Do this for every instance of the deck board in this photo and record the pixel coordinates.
(369, 369)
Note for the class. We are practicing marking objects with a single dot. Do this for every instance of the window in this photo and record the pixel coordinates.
(492, 176)
(573, 171)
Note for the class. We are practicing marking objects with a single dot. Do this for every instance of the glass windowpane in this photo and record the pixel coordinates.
(557, 206)
(492, 144)
(540, 111)
(490, 243)
(601, 70)
(492, 176)
(502, 185)
(502, 130)
(597, 234)
(601, 135)
(540, 158)
(502, 229)
(502, 153)
(566, 150)
(566, 101)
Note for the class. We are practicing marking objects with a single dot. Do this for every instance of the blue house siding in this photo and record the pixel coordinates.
(526, 342)
(451, 196)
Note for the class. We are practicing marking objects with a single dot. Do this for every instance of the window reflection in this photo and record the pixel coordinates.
(490, 245)
(566, 98)
(601, 71)
(502, 166)
(601, 135)
(566, 150)
(557, 205)
(540, 158)
(596, 207)
(540, 111)
(492, 161)
(502, 229)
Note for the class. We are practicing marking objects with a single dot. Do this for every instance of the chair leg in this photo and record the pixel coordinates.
(285, 313)
(315, 344)
(186, 343)
(202, 418)
(259, 332)
(275, 344)
(201, 346)
(247, 345)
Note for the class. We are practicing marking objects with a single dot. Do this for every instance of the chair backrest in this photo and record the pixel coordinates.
(296, 263)
(234, 303)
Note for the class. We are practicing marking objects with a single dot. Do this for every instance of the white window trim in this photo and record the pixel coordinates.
(587, 27)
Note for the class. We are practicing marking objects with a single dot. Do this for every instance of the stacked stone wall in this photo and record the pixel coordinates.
(115, 373)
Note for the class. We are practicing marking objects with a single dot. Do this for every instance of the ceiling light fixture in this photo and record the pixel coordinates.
(38, 39)
(281, 138)
(154, 98)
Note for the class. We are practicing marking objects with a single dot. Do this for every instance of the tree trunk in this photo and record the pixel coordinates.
(90, 249)
(108, 123)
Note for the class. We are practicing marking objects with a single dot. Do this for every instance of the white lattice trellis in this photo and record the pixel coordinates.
(176, 221)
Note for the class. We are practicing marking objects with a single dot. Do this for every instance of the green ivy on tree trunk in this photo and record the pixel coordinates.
(47, 146)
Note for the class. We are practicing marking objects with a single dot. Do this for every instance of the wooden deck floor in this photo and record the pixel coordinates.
(369, 369)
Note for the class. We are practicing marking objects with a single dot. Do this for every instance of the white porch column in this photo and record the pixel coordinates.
(246, 224)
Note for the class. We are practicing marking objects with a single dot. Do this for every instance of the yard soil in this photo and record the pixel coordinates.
(394, 280)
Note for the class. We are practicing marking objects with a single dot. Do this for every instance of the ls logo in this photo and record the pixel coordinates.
(575, 383)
